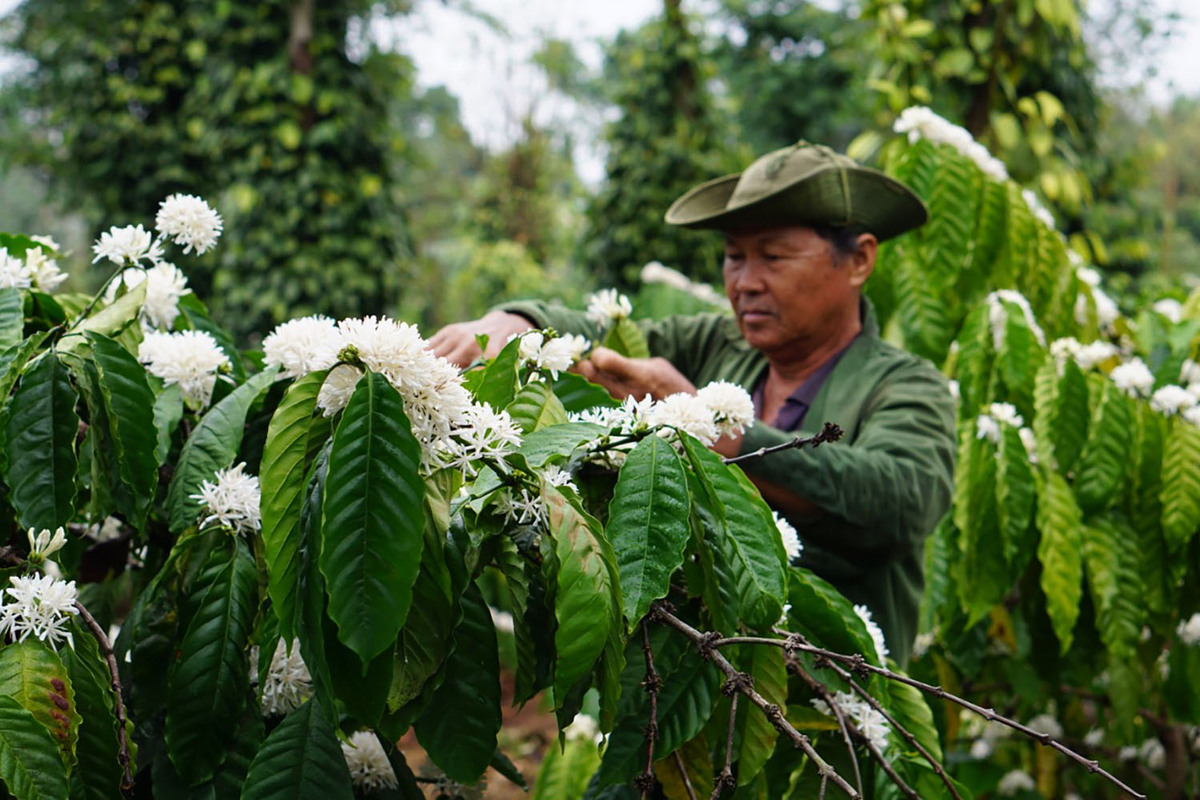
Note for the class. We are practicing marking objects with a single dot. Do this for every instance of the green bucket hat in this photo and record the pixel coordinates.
(804, 184)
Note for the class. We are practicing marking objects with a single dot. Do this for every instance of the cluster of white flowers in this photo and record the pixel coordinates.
(1047, 724)
(14, 272)
(731, 407)
(1189, 373)
(128, 246)
(920, 122)
(1172, 399)
(1133, 377)
(106, 531)
(870, 723)
(791, 540)
(1170, 308)
(876, 633)
(1188, 631)
(608, 306)
(191, 359)
(502, 621)
(40, 606)
(1015, 782)
(654, 272)
(165, 286)
(480, 433)
(1040, 212)
(987, 425)
(44, 543)
(1085, 355)
(288, 683)
(1153, 754)
(998, 315)
(584, 728)
(986, 735)
(189, 221)
(43, 267)
(369, 767)
(233, 499)
(555, 354)
(1107, 311)
(304, 345)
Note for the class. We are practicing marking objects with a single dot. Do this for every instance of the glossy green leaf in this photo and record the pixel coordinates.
(12, 317)
(300, 760)
(535, 407)
(1180, 484)
(112, 320)
(97, 775)
(497, 382)
(586, 604)
(825, 616)
(565, 772)
(39, 446)
(284, 468)
(579, 394)
(975, 361)
(1101, 467)
(210, 677)
(373, 519)
(12, 359)
(1060, 552)
(229, 777)
(1016, 495)
(425, 640)
(533, 622)
(459, 728)
(981, 549)
(212, 446)
(627, 339)
(168, 411)
(1060, 423)
(750, 547)
(542, 445)
(648, 524)
(1111, 567)
(30, 767)
(33, 675)
(756, 736)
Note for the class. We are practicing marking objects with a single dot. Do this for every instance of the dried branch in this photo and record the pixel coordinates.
(106, 650)
(830, 433)
(652, 684)
(704, 643)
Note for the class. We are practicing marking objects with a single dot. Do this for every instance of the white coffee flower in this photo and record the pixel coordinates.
(1192, 414)
(233, 499)
(38, 606)
(189, 221)
(1047, 724)
(304, 345)
(1030, 442)
(872, 724)
(1006, 413)
(1153, 754)
(1133, 377)
(1015, 782)
(482, 433)
(370, 770)
(44, 543)
(920, 122)
(1170, 308)
(108, 530)
(1188, 631)
(1040, 212)
(583, 727)
(165, 286)
(1107, 311)
(1172, 399)
(14, 272)
(1094, 737)
(502, 621)
(731, 407)
(654, 272)
(557, 476)
(987, 424)
(190, 359)
(338, 387)
(608, 305)
(1094, 353)
(558, 354)
(127, 246)
(987, 428)
(288, 683)
(521, 507)
(998, 315)
(1127, 754)
(1189, 373)
(982, 749)
(881, 648)
(43, 269)
(791, 540)
(688, 413)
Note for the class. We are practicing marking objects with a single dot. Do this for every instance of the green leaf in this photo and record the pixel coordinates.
(110, 320)
(130, 405)
(300, 760)
(12, 317)
(13, 359)
(1180, 484)
(210, 677)
(459, 728)
(29, 764)
(648, 524)
(97, 775)
(496, 384)
(1060, 552)
(825, 616)
(212, 446)
(229, 778)
(533, 621)
(696, 760)
(39, 445)
(425, 639)
(33, 675)
(745, 536)
(535, 407)
(565, 772)
(1016, 494)
(544, 444)
(908, 706)
(1101, 467)
(168, 410)
(1117, 596)
(284, 468)
(756, 736)
(587, 602)
(373, 518)
(627, 339)
(577, 393)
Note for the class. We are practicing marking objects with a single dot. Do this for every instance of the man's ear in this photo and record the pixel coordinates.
(862, 262)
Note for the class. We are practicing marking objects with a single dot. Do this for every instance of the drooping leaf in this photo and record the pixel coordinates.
(1060, 553)
(373, 519)
(565, 773)
(1180, 484)
(425, 640)
(229, 777)
(825, 616)
(535, 407)
(12, 317)
(460, 727)
(496, 384)
(533, 622)
(30, 767)
(545, 443)
(1060, 422)
(648, 524)
(1016, 494)
(33, 675)
(1111, 568)
(284, 468)
(12, 360)
(300, 760)
(97, 775)
(39, 446)
(209, 680)
(212, 446)
(976, 361)
(981, 549)
(756, 736)
(1101, 466)
(111, 320)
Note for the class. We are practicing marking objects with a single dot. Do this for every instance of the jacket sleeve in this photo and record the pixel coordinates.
(893, 484)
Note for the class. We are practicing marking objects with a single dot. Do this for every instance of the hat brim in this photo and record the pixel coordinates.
(879, 204)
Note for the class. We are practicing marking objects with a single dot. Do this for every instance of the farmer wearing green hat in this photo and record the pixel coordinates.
(802, 227)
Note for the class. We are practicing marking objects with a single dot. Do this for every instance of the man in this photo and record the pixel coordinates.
(802, 227)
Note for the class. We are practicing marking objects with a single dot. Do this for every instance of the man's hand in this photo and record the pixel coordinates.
(457, 344)
(633, 377)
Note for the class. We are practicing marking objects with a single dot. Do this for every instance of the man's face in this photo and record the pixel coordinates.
(790, 292)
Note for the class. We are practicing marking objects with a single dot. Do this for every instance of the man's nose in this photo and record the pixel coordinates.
(748, 280)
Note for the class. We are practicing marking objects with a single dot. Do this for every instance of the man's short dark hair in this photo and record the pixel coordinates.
(843, 238)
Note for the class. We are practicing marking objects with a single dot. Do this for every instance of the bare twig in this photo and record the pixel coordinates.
(774, 714)
(652, 684)
(687, 781)
(111, 659)
(830, 433)
(724, 779)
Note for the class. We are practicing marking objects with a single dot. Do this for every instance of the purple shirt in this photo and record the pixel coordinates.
(791, 415)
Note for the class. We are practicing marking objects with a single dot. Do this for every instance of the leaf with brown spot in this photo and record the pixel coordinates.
(33, 675)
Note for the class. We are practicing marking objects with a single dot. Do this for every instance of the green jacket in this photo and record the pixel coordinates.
(882, 488)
